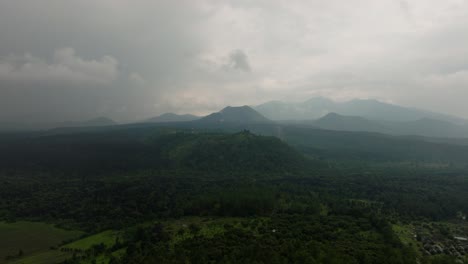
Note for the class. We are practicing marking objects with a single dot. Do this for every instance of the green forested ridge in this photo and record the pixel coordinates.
(116, 151)
(255, 199)
(348, 145)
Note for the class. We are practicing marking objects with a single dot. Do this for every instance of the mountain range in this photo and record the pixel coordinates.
(334, 135)
(423, 127)
(370, 109)
(318, 113)
(422, 123)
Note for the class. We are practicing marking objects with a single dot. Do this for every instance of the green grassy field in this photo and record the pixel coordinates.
(31, 238)
(46, 257)
(107, 238)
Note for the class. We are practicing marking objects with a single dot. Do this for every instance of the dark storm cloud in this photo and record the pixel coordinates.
(118, 55)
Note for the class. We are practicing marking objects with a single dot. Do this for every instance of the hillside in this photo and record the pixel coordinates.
(127, 146)
(131, 149)
(336, 144)
(241, 151)
(370, 146)
(423, 127)
(429, 127)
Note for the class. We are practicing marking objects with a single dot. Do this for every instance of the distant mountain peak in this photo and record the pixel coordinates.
(332, 115)
(237, 109)
(236, 114)
(172, 117)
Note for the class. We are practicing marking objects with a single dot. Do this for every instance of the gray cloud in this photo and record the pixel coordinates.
(238, 60)
(133, 59)
(66, 66)
(137, 78)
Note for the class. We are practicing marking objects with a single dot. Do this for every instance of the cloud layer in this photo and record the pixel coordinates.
(65, 67)
(133, 59)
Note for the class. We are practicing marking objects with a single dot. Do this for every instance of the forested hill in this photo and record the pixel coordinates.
(129, 147)
(330, 144)
(228, 152)
(160, 149)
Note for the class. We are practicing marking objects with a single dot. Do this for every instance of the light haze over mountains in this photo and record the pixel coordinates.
(372, 109)
(356, 115)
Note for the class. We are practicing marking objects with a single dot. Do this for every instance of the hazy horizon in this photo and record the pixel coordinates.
(62, 60)
(202, 114)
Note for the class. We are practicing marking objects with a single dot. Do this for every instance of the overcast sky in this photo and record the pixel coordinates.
(129, 60)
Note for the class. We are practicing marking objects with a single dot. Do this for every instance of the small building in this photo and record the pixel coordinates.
(464, 239)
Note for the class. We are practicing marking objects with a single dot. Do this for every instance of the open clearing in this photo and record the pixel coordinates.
(107, 238)
(31, 238)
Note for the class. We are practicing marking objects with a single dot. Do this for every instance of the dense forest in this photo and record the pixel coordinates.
(179, 195)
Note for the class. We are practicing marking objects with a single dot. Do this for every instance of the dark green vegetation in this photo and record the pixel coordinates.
(203, 192)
